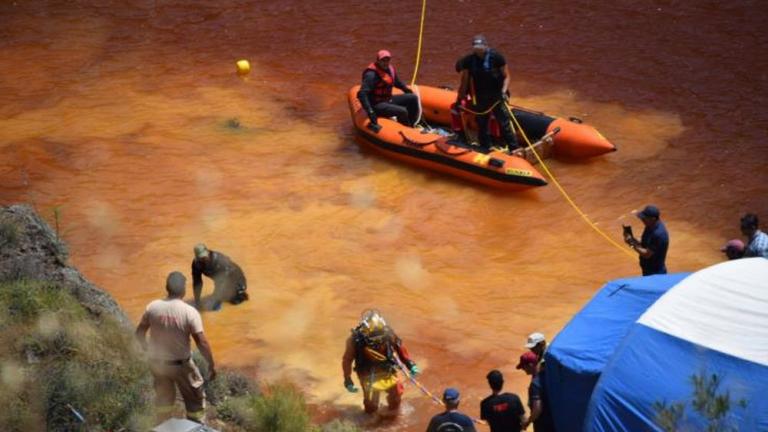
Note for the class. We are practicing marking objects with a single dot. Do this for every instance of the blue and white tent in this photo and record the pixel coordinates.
(708, 333)
(581, 350)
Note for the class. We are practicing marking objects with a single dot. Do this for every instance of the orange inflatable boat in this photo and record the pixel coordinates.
(439, 150)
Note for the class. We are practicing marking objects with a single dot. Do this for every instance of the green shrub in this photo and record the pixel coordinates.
(281, 408)
(340, 426)
(24, 300)
(229, 383)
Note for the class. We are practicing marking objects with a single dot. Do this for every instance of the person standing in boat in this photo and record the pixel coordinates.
(376, 93)
(485, 77)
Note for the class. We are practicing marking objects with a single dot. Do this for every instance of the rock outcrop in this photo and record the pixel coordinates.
(30, 249)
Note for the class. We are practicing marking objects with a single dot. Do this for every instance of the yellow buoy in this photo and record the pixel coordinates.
(243, 67)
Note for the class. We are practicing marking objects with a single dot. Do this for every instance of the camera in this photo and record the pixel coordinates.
(628, 231)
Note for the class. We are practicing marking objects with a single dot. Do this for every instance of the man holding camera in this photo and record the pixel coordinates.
(653, 245)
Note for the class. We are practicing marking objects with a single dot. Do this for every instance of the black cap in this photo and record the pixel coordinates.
(649, 211)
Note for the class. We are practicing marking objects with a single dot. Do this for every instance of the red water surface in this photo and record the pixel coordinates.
(117, 113)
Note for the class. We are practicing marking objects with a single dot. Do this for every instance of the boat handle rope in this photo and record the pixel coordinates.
(416, 143)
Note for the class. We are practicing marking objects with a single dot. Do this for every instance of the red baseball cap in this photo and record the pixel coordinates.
(383, 54)
(734, 244)
(528, 358)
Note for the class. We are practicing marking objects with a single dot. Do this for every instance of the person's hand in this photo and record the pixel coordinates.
(505, 97)
(407, 90)
(211, 373)
(349, 385)
(414, 370)
(375, 127)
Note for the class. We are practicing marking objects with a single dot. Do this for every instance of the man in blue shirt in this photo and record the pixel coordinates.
(757, 241)
(451, 420)
(653, 245)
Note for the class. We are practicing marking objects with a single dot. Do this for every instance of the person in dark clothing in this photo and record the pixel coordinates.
(375, 93)
(229, 281)
(485, 77)
(375, 350)
(540, 417)
(653, 244)
(451, 420)
(757, 241)
(504, 412)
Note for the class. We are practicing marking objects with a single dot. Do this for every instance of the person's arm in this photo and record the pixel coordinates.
(205, 350)
(197, 282)
(363, 95)
(463, 86)
(141, 331)
(505, 86)
(401, 85)
(645, 251)
(520, 413)
(536, 409)
(405, 356)
(346, 365)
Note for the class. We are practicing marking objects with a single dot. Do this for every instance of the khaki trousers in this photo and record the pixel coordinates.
(186, 376)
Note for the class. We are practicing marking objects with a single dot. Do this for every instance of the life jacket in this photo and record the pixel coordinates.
(383, 90)
(375, 352)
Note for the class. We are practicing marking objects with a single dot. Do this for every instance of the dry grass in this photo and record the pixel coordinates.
(58, 359)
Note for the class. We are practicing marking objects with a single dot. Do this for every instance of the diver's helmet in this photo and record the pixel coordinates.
(372, 323)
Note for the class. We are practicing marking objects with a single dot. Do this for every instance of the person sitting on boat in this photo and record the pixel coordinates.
(377, 353)
(376, 93)
(485, 77)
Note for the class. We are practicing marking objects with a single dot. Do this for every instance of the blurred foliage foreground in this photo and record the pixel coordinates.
(62, 369)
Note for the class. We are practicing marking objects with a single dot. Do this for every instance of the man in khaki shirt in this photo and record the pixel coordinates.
(171, 322)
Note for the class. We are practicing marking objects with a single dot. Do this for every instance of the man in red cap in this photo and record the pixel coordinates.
(734, 249)
(540, 417)
(376, 93)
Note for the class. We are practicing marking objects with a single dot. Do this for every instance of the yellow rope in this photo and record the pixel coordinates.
(562, 191)
(421, 33)
(480, 113)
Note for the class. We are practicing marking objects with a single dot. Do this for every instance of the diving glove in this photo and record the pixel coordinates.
(414, 370)
(349, 385)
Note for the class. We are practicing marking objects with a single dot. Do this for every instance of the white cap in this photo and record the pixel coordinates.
(534, 339)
